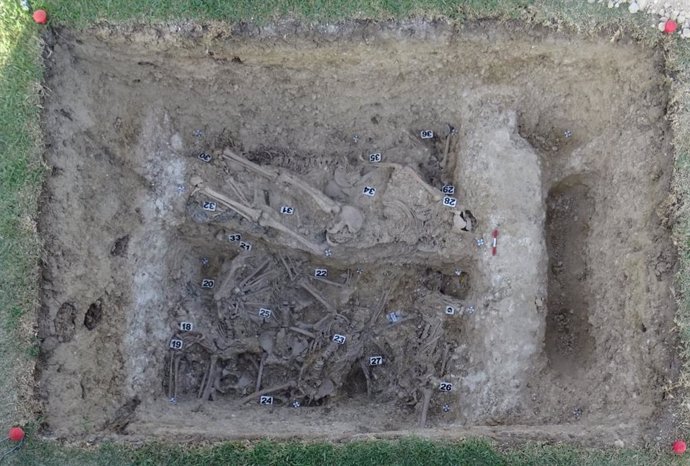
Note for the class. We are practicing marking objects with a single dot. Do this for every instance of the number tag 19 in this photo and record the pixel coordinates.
(176, 344)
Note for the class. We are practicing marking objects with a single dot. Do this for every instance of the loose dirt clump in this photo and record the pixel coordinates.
(371, 229)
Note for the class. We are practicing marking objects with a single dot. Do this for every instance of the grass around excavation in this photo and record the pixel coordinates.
(21, 173)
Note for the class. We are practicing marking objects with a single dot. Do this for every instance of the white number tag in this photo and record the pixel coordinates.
(265, 400)
(445, 386)
(375, 360)
(449, 201)
(207, 283)
(265, 313)
(210, 206)
(448, 189)
(339, 339)
(450, 310)
(427, 134)
(375, 157)
(204, 157)
(176, 344)
(323, 273)
(369, 191)
(245, 246)
(287, 210)
(186, 326)
(393, 316)
(234, 237)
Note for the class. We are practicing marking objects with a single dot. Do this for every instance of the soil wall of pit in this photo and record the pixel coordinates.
(561, 145)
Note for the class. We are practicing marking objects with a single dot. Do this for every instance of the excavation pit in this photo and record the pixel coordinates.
(247, 234)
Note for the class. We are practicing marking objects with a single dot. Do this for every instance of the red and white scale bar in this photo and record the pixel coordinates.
(494, 241)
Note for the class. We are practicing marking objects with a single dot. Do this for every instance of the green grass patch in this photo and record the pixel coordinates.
(408, 452)
(20, 183)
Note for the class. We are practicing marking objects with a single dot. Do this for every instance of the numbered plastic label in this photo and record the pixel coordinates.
(265, 400)
(287, 210)
(376, 157)
(235, 237)
(207, 283)
(245, 246)
(375, 360)
(445, 386)
(204, 157)
(321, 273)
(450, 201)
(426, 134)
(369, 191)
(448, 189)
(450, 310)
(176, 344)
(210, 206)
(394, 316)
(265, 313)
(186, 326)
(339, 339)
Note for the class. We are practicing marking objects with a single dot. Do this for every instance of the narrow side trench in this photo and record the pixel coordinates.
(568, 339)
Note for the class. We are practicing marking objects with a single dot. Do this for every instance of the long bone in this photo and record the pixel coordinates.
(325, 203)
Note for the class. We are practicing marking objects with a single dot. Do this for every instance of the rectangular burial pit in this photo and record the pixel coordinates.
(290, 233)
